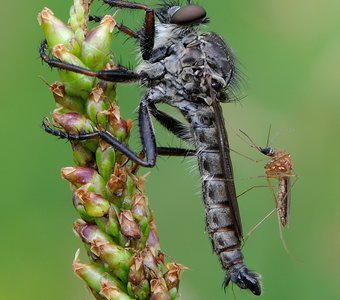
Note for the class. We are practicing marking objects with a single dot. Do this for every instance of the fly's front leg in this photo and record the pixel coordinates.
(117, 75)
(147, 37)
(122, 28)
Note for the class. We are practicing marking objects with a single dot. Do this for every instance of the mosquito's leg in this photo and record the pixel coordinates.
(176, 127)
(251, 231)
(253, 187)
(147, 37)
(117, 75)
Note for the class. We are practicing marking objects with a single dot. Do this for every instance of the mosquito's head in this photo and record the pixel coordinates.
(187, 15)
(269, 151)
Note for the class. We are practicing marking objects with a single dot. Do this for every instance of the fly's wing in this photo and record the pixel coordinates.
(227, 167)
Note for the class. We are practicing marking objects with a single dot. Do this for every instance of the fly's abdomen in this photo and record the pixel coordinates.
(218, 193)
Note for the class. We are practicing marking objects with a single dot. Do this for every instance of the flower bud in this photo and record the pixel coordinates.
(101, 245)
(96, 106)
(95, 205)
(105, 159)
(153, 239)
(159, 290)
(72, 122)
(78, 205)
(97, 278)
(66, 101)
(82, 156)
(56, 32)
(172, 276)
(113, 224)
(119, 126)
(139, 206)
(97, 44)
(78, 176)
(75, 84)
(78, 18)
(128, 225)
(117, 181)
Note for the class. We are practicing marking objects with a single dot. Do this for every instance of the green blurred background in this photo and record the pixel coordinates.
(289, 53)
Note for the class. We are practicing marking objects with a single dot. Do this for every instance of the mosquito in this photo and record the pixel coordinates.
(279, 167)
(193, 72)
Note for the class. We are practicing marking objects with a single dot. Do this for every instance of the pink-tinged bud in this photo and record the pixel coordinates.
(159, 290)
(101, 245)
(71, 103)
(172, 276)
(117, 182)
(97, 45)
(128, 225)
(56, 32)
(105, 158)
(90, 233)
(78, 176)
(72, 122)
(95, 205)
(75, 84)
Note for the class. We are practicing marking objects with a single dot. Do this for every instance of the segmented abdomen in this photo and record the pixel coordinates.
(220, 220)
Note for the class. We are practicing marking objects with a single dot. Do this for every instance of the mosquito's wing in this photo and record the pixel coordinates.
(283, 199)
(227, 167)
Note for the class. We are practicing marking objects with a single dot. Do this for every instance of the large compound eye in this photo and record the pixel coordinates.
(186, 15)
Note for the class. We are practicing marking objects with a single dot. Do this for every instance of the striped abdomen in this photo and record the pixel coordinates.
(222, 215)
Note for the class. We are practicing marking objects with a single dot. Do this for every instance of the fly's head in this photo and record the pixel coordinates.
(172, 12)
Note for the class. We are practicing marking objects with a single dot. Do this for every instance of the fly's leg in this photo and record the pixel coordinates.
(173, 125)
(166, 151)
(118, 75)
(147, 37)
(120, 27)
(147, 138)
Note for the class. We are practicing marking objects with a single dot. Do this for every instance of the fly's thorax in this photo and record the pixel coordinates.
(182, 66)
(279, 165)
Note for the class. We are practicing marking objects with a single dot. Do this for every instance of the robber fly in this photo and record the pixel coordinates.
(192, 72)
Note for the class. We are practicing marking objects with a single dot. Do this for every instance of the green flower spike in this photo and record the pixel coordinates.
(117, 226)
